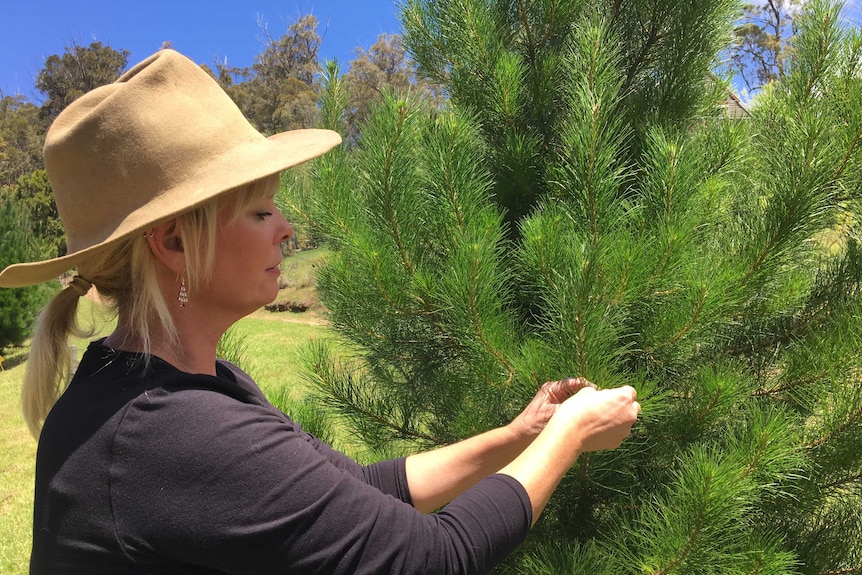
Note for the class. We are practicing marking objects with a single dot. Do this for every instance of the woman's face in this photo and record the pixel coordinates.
(247, 259)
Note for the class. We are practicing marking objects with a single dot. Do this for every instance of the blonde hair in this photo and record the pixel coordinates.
(126, 279)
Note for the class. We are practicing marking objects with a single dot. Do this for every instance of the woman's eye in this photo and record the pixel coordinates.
(263, 215)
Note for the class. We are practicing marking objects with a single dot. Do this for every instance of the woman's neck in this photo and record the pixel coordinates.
(191, 352)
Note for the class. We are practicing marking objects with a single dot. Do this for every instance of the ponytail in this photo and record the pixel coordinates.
(49, 363)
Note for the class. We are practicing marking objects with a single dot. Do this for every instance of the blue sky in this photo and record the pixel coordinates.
(204, 30)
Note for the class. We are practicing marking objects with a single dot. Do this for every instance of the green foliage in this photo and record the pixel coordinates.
(506, 60)
(18, 460)
(584, 209)
(414, 228)
(232, 346)
(313, 418)
(18, 307)
(78, 70)
(34, 193)
(384, 66)
(21, 137)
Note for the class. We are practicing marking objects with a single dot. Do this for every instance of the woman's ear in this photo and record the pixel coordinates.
(166, 243)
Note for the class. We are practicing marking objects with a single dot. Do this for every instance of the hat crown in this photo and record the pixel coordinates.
(127, 146)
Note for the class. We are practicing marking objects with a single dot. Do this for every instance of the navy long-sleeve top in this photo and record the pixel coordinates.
(159, 471)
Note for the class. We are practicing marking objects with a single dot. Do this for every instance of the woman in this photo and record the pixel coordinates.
(159, 458)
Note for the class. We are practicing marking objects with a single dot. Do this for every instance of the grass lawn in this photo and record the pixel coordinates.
(17, 465)
(271, 342)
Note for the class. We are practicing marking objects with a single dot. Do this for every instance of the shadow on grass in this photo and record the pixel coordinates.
(13, 357)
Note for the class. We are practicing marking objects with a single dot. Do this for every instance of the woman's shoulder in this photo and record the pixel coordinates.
(102, 365)
(121, 388)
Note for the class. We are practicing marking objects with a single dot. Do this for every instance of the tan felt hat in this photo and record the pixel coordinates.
(160, 140)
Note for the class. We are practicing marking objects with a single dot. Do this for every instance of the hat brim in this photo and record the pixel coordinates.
(242, 164)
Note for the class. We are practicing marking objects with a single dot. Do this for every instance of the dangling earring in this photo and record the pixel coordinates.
(183, 296)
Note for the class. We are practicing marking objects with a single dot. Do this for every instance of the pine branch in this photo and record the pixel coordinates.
(469, 17)
(476, 322)
(419, 32)
(824, 43)
(581, 323)
(762, 446)
(399, 430)
(642, 57)
(525, 22)
(761, 258)
(789, 334)
(691, 322)
(857, 137)
(352, 399)
(693, 536)
(781, 388)
(394, 305)
(662, 265)
(853, 479)
(386, 180)
(851, 420)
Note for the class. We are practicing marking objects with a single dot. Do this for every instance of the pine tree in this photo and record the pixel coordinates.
(584, 208)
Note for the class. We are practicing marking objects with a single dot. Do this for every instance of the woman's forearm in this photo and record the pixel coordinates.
(588, 421)
(436, 477)
(541, 466)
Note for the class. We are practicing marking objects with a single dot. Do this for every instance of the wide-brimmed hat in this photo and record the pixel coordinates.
(160, 140)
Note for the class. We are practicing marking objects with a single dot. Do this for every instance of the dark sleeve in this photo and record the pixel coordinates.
(204, 479)
(388, 476)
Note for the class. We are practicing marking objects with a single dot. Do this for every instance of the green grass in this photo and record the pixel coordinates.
(272, 342)
(17, 466)
(270, 354)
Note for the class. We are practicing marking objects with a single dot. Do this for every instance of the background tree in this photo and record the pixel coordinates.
(18, 307)
(279, 92)
(763, 41)
(22, 132)
(583, 209)
(78, 70)
(33, 193)
(21, 137)
(383, 66)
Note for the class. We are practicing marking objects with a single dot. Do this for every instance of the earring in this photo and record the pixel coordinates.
(183, 296)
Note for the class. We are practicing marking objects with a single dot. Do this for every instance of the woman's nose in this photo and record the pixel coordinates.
(287, 229)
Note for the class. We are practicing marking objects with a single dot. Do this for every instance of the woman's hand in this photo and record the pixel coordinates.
(532, 420)
(590, 420)
(583, 420)
(601, 419)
